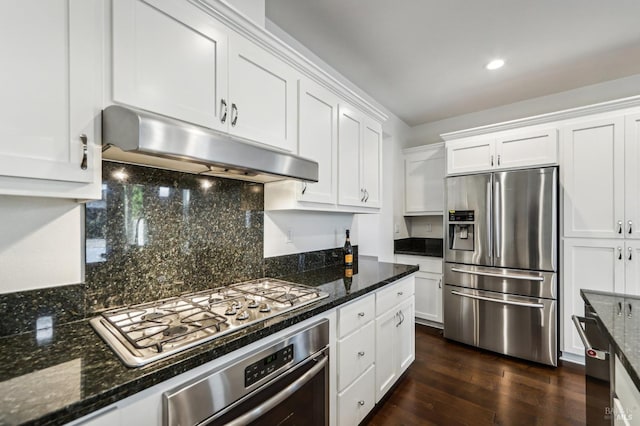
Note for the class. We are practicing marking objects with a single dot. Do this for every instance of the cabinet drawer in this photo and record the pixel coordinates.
(396, 293)
(357, 400)
(355, 354)
(426, 264)
(356, 314)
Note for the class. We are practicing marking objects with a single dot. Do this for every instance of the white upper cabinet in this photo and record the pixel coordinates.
(424, 171)
(632, 176)
(170, 58)
(593, 178)
(51, 97)
(262, 96)
(359, 159)
(173, 59)
(318, 141)
(507, 150)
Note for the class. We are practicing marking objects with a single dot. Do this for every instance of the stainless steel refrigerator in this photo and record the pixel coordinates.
(501, 254)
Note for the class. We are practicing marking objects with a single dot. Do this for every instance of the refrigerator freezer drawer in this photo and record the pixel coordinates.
(523, 327)
(513, 281)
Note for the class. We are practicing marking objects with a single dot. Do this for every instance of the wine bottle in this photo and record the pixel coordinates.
(348, 251)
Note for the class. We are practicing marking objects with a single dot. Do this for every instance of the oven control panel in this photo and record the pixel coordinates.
(267, 365)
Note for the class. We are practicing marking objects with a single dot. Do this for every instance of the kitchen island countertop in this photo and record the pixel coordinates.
(59, 374)
(620, 324)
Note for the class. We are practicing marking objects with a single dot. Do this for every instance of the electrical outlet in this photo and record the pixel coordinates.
(396, 228)
(289, 236)
(428, 227)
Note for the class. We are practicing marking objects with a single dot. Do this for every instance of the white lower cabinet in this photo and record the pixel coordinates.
(428, 287)
(357, 400)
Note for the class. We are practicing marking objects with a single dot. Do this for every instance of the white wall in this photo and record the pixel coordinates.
(587, 95)
(425, 226)
(40, 243)
(308, 231)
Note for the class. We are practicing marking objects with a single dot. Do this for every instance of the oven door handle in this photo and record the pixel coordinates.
(285, 393)
(505, 302)
(589, 350)
(496, 275)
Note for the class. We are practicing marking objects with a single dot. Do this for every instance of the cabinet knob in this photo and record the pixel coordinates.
(629, 314)
(498, 160)
(619, 227)
(492, 161)
(234, 115)
(630, 227)
(360, 314)
(630, 253)
(400, 293)
(619, 253)
(224, 109)
(361, 353)
(361, 403)
(85, 148)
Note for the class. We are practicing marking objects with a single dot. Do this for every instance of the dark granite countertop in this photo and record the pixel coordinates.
(621, 324)
(419, 246)
(57, 377)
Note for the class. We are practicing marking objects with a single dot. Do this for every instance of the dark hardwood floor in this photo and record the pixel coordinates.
(454, 384)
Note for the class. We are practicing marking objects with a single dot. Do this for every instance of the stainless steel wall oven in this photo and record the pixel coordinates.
(285, 383)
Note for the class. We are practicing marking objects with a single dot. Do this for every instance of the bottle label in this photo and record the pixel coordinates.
(348, 258)
(348, 272)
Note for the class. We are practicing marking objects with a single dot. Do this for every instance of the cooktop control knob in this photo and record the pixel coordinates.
(265, 308)
(242, 315)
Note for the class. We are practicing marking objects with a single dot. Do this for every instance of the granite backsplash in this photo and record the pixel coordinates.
(155, 234)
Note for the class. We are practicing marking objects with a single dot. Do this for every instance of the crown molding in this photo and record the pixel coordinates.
(618, 104)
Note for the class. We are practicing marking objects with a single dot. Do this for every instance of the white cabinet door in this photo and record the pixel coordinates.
(527, 149)
(263, 95)
(632, 267)
(424, 173)
(51, 96)
(632, 176)
(170, 58)
(593, 179)
(470, 155)
(371, 163)
(350, 124)
(406, 336)
(318, 140)
(428, 295)
(386, 356)
(593, 265)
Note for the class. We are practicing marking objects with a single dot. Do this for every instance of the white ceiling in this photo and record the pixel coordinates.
(424, 59)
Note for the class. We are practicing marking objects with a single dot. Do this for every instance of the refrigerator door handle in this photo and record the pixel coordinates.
(493, 274)
(489, 228)
(497, 215)
(505, 302)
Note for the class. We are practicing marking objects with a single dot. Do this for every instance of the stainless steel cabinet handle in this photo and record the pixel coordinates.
(619, 308)
(400, 293)
(630, 227)
(275, 400)
(590, 351)
(619, 227)
(629, 315)
(366, 195)
(304, 188)
(493, 274)
(362, 192)
(399, 320)
(505, 302)
(619, 253)
(224, 109)
(401, 317)
(234, 114)
(498, 159)
(630, 253)
(361, 402)
(85, 149)
(440, 283)
(360, 314)
(361, 353)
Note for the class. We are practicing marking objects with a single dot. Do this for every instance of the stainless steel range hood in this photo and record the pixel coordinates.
(138, 137)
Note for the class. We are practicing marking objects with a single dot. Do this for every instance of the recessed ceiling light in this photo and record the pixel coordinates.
(495, 64)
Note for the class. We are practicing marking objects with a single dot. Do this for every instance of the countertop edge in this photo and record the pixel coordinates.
(618, 350)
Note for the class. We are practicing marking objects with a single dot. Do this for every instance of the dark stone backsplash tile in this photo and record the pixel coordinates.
(288, 264)
(43, 308)
(158, 233)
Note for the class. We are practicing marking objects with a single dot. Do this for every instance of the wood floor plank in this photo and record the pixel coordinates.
(454, 384)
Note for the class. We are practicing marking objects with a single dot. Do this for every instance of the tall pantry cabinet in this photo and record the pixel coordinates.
(601, 212)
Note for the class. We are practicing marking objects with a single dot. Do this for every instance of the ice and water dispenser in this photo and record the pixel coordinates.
(461, 230)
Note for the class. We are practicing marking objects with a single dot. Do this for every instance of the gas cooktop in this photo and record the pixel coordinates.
(148, 332)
